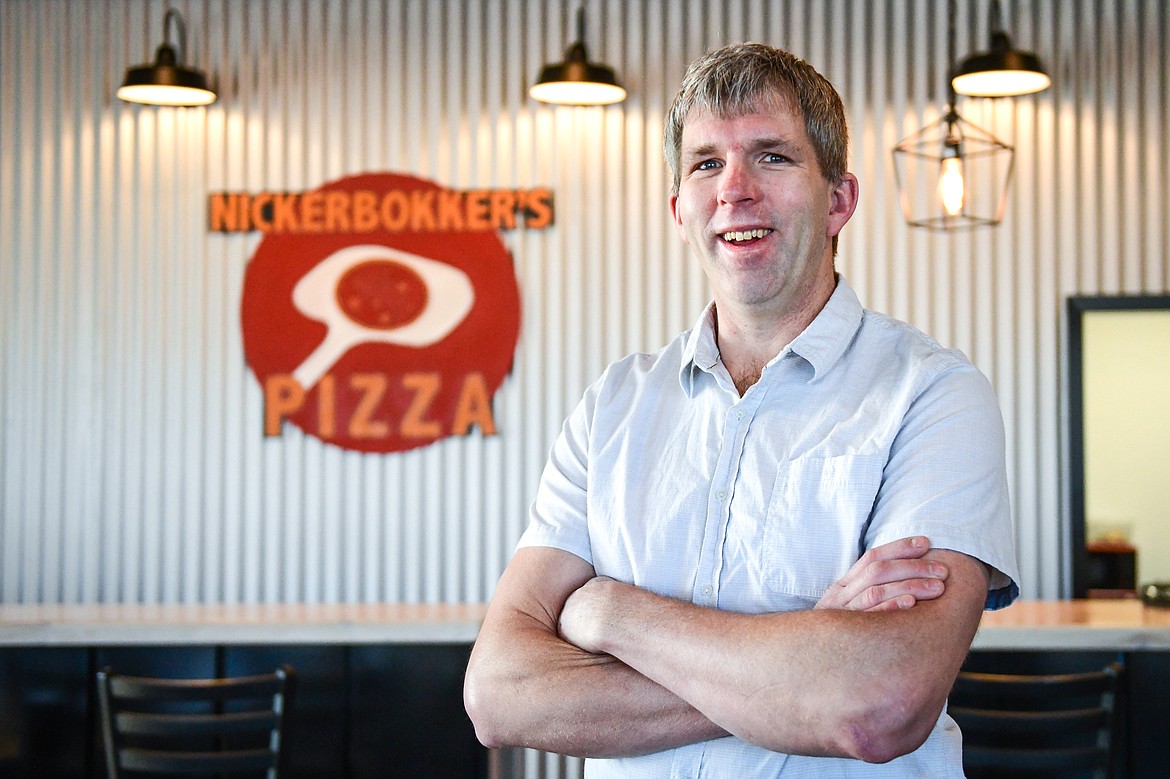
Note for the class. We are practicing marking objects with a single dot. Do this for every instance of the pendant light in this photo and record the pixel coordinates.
(952, 175)
(1002, 71)
(167, 82)
(577, 81)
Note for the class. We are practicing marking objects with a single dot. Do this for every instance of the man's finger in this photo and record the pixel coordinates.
(903, 594)
(909, 548)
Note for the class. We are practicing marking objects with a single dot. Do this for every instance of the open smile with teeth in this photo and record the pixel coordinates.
(737, 236)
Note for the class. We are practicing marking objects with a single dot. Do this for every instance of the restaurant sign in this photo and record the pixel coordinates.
(380, 312)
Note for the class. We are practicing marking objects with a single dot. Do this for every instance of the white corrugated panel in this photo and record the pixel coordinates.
(132, 465)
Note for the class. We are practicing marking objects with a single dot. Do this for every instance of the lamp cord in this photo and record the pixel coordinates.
(951, 97)
(181, 27)
(994, 18)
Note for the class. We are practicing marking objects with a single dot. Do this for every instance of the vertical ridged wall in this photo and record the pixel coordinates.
(132, 465)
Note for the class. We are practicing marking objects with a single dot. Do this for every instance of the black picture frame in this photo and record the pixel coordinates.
(1077, 307)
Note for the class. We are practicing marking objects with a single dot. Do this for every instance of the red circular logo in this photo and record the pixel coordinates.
(374, 325)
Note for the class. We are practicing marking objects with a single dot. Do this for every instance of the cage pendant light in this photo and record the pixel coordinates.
(952, 175)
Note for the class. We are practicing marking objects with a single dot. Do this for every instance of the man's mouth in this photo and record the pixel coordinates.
(742, 236)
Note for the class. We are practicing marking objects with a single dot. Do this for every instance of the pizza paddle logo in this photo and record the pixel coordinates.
(380, 312)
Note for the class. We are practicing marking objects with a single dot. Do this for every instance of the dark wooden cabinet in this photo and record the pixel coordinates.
(358, 711)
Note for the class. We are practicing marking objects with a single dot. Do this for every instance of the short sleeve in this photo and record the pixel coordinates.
(946, 478)
(558, 517)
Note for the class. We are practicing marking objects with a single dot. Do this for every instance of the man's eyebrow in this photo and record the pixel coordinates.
(775, 143)
(703, 150)
(768, 143)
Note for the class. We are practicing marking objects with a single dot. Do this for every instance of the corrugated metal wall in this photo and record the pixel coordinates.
(132, 465)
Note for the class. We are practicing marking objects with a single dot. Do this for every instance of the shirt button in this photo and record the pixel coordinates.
(721, 494)
(739, 414)
(707, 590)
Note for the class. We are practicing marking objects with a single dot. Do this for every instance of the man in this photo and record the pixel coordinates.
(727, 571)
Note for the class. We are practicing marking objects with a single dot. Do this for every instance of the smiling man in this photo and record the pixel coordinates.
(762, 551)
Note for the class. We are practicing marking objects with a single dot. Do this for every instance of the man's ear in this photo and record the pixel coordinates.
(677, 220)
(842, 203)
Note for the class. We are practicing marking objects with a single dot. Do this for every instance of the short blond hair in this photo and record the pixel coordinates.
(742, 77)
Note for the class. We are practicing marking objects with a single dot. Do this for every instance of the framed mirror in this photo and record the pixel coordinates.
(1119, 442)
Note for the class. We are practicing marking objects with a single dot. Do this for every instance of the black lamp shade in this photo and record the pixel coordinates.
(577, 81)
(166, 83)
(1002, 72)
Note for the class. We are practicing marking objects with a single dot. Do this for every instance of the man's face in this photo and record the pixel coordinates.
(754, 207)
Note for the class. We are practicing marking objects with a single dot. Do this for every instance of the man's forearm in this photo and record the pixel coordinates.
(866, 685)
(526, 686)
(562, 699)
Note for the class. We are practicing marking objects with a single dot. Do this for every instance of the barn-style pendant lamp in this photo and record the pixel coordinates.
(168, 81)
(952, 175)
(577, 81)
(1002, 71)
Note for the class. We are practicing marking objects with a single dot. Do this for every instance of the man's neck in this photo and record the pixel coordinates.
(748, 343)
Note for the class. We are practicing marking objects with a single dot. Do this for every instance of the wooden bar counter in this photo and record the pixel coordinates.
(209, 625)
(379, 685)
(1101, 625)
(1106, 625)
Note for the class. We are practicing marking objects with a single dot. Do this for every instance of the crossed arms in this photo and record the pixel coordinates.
(584, 665)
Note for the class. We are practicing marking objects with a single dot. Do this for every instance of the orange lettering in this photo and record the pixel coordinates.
(450, 210)
(538, 208)
(395, 211)
(312, 212)
(503, 209)
(282, 395)
(365, 211)
(422, 210)
(337, 212)
(474, 407)
(261, 208)
(227, 213)
(326, 408)
(362, 424)
(414, 422)
(477, 210)
(284, 214)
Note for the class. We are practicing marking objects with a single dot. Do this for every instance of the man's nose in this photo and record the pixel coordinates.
(738, 183)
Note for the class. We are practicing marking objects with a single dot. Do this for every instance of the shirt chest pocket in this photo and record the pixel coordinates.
(815, 521)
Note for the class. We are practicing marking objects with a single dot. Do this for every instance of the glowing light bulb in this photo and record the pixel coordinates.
(951, 185)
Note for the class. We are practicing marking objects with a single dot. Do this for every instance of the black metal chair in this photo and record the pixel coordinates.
(194, 726)
(1054, 725)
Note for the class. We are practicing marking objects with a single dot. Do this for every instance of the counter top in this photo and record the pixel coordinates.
(121, 625)
(1119, 625)
(1104, 624)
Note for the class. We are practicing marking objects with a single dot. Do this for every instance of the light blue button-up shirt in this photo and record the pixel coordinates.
(862, 431)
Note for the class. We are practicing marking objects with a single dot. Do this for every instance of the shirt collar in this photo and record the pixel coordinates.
(828, 336)
(821, 344)
(700, 353)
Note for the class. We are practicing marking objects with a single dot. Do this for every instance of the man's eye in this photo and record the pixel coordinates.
(775, 158)
(707, 165)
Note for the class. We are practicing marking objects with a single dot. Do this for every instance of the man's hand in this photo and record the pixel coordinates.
(888, 577)
(583, 617)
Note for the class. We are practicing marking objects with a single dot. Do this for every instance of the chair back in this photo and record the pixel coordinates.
(1053, 725)
(193, 726)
